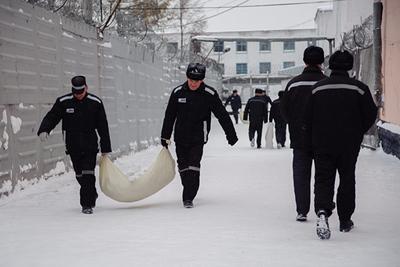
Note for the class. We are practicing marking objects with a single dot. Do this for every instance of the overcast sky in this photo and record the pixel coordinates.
(261, 18)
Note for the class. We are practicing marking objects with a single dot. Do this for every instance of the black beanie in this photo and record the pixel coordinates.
(196, 71)
(259, 91)
(313, 55)
(341, 61)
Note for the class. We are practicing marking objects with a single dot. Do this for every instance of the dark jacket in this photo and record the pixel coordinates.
(256, 107)
(235, 101)
(341, 110)
(293, 105)
(190, 112)
(275, 112)
(80, 120)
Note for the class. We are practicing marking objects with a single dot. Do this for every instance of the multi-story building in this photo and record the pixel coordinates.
(252, 59)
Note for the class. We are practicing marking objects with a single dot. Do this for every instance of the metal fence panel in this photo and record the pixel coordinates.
(39, 54)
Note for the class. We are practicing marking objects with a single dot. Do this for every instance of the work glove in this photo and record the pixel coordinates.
(43, 136)
(232, 140)
(165, 142)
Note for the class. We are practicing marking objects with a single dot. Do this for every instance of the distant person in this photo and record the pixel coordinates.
(280, 123)
(256, 110)
(293, 106)
(189, 110)
(236, 104)
(267, 100)
(340, 111)
(83, 118)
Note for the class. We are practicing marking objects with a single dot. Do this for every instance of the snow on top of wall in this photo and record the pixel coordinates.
(16, 123)
(390, 127)
(106, 44)
(68, 35)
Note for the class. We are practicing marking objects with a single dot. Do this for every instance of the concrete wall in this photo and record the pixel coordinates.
(391, 61)
(39, 53)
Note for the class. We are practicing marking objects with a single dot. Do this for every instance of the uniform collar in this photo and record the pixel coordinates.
(339, 73)
(201, 87)
(314, 69)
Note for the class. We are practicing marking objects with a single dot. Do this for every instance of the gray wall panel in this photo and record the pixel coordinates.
(39, 54)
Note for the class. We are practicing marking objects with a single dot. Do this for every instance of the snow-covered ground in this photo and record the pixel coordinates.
(244, 215)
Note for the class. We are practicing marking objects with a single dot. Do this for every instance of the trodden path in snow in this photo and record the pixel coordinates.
(244, 215)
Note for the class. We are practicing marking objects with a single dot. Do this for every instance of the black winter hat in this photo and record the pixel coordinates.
(78, 84)
(196, 71)
(313, 55)
(259, 91)
(341, 61)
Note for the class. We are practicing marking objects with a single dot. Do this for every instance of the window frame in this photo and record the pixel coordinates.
(241, 64)
(286, 43)
(266, 63)
(260, 44)
(241, 44)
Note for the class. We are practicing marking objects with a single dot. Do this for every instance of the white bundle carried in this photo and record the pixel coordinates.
(269, 135)
(117, 186)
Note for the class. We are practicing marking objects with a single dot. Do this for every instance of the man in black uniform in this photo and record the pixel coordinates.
(280, 123)
(340, 111)
(189, 109)
(236, 104)
(82, 114)
(256, 109)
(293, 106)
(267, 99)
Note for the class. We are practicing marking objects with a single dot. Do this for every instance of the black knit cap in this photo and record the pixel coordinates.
(259, 91)
(313, 55)
(341, 60)
(78, 84)
(196, 71)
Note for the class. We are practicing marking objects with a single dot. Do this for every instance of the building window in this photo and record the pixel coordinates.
(241, 68)
(288, 64)
(172, 47)
(219, 46)
(265, 46)
(241, 46)
(288, 45)
(265, 67)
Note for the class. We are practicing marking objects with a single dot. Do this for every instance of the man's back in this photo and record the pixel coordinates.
(342, 111)
(294, 102)
(256, 108)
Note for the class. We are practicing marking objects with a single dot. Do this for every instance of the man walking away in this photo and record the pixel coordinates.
(280, 123)
(293, 105)
(341, 110)
(256, 109)
(236, 104)
(82, 114)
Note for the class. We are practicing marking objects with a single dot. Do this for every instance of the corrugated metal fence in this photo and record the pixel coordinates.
(39, 53)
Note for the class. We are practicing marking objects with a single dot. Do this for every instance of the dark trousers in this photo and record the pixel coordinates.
(253, 128)
(280, 133)
(84, 165)
(189, 157)
(324, 187)
(302, 163)
(235, 115)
